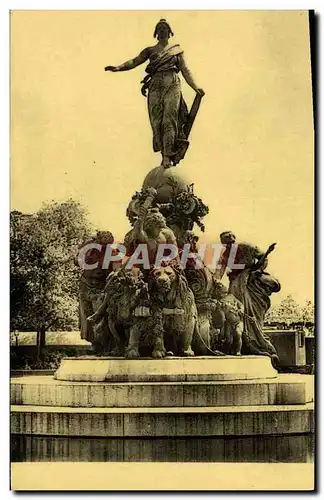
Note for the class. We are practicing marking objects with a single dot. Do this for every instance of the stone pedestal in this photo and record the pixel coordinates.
(173, 397)
(170, 369)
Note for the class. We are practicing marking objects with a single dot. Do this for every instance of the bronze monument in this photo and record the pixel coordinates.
(169, 307)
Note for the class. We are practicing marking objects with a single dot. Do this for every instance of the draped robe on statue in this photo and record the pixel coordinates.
(91, 288)
(168, 111)
(253, 287)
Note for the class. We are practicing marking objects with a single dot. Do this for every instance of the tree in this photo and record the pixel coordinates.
(289, 311)
(272, 315)
(20, 293)
(308, 312)
(44, 278)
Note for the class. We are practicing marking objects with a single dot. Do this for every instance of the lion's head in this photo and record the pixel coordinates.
(164, 277)
(125, 290)
(220, 291)
(170, 283)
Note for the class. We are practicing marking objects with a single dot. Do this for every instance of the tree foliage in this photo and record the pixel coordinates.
(288, 312)
(308, 312)
(44, 277)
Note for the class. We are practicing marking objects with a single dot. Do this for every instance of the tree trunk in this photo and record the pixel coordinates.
(41, 341)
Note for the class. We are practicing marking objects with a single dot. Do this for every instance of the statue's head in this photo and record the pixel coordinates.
(162, 30)
(104, 237)
(188, 237)
(227, 237)
(154, 220)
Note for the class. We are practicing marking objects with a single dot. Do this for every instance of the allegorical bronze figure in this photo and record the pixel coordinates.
(168, 113)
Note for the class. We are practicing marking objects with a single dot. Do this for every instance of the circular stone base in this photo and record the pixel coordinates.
(171, 369)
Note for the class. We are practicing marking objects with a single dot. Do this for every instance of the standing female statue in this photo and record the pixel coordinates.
(167, 110)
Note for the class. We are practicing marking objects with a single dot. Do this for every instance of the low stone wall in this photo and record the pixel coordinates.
(290, 346)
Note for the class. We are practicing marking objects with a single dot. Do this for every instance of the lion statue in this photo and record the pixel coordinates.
(173, 320)
(149, 318)
(124, 291)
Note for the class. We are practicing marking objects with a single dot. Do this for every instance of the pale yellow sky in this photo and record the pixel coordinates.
(251, 153)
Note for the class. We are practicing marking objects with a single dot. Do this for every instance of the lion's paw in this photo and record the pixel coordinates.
(188, 352)
(132, 353)
(116, 352)
(158, 354)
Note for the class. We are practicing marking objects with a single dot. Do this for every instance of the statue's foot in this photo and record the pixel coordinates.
(158, 353)
(188, 352)
(238, 354)
(132, 354)
(166, 162)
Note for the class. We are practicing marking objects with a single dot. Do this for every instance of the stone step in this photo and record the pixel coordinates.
(162, 422)
(45, 391)
(292, 448)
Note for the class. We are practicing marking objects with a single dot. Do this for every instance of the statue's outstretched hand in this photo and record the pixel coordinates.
(111, 68)
(200, 92)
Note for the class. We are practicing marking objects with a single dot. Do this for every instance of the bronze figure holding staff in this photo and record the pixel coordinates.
(168, 113)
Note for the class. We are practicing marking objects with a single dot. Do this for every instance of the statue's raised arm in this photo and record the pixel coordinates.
(170, 121)
(131, 64)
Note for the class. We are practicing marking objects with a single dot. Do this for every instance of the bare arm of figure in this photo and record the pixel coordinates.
(131, 64)
(187, 75)
(221, 265)
(171, 240)
(219, 272)
(261, 257)
(139, 232)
